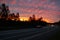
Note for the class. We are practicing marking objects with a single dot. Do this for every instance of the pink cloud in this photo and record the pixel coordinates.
(13, 2)
(3, 1)
(29, 7)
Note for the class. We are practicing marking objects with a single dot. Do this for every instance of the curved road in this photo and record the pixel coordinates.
(29, 34)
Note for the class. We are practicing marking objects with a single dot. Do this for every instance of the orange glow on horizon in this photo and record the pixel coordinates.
(24, 19)
(47, 20)
(27, 19)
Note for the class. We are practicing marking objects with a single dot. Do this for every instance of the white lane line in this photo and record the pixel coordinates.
(48, 30)
(21, 31)
(18, 31)
(23, 35)
(26, 38)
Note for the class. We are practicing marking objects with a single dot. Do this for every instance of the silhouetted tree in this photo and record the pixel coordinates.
(5, 11)
(17, 16)
(7, 8)
(30, 18)
(40, 19)
(33, 17)
(0, 10)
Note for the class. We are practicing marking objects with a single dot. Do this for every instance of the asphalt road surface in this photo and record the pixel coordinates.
(45, 33)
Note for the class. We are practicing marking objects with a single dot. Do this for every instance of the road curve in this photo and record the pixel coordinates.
(29, 34)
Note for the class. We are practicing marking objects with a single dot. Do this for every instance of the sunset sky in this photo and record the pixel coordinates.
(48, 9)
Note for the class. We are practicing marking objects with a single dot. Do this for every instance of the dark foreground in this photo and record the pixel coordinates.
(46, 33)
